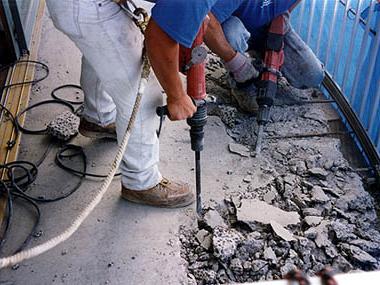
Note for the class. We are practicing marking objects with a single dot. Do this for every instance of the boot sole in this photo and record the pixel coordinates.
(168, 206)
(97, 135)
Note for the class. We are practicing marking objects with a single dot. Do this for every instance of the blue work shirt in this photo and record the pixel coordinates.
(254, 14)
(181, 19)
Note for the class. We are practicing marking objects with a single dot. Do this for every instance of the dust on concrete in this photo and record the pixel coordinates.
(326, 216)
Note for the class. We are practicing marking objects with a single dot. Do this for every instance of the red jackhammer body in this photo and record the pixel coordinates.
(192, 64)
(274, 58)
(193, 59)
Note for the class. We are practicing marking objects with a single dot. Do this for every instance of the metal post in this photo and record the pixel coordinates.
(331, 33)
(300, 19)
(342, 33)
(361, 55)
(310, 22)
(371, 68)
(352, 42)
(321, 25)
(375, 109)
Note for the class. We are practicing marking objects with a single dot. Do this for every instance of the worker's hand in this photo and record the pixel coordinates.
(180, 108)
(241, 68)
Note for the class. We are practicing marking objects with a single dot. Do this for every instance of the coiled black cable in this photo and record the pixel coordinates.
(19, 175)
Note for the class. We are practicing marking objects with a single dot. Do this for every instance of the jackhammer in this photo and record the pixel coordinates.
(192, 64)
(274, 58)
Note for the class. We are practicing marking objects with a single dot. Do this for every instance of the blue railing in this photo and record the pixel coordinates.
(345, 35)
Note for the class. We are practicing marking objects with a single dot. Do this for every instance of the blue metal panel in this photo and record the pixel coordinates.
(345, 34)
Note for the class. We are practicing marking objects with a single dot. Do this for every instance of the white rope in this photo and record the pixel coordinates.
(53, 242)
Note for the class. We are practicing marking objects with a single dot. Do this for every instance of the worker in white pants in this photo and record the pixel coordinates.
(112, 46)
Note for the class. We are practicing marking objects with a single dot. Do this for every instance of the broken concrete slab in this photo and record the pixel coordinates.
(312, 212)
(253, 243)
(289, 266)
(370, 247)
(319, 234)
(318, 173)
(204, 238)
(253, 210)
(343, 231)
(341, 264)
(239, 149)
(313, 220)
(212, 219)
(270, 255)
(280, 231)
(318, 195)
(270, 195)
(357, 255)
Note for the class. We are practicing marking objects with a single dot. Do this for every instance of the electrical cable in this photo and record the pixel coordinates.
(60, 163)
(54, 95)
(40, 131)
(12, 142)
(6, 67)
(15, 186)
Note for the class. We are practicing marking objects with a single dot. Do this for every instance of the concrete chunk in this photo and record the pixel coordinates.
(213, 219)
(239, 149)
(281, 231)
(270, 255)
(313, 220)
(204, 238)
(259, 211)
(225, 242)
(318, 195)
(318, 172)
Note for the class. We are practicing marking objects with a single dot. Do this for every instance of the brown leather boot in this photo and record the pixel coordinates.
(166, 194)
(92, 130)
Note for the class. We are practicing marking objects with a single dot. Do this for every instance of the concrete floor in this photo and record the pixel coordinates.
(120, 243)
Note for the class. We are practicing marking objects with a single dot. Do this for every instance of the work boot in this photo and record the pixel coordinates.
(93, 130)
(166, 194)
(246, 102)
(245, 97)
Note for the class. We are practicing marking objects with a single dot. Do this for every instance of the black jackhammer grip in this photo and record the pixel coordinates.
(162, 111)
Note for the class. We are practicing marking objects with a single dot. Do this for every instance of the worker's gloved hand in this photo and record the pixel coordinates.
(241, 68)
(180, 107)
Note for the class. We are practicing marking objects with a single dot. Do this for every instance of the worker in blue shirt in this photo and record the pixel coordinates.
(244, 24)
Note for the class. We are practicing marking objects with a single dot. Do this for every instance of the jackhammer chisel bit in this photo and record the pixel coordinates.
(197, 123)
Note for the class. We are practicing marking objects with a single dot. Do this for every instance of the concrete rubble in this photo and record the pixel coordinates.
(64, 126)
(239, 149)
(298, 205)
(258, 211)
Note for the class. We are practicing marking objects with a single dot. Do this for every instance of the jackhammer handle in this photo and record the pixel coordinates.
(162, 111)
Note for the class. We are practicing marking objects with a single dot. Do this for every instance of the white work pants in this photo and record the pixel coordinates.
(111, 45)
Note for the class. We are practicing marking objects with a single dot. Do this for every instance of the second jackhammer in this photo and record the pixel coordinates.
(274, 58)
(192, 64)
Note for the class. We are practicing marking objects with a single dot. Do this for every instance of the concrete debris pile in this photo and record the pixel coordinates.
(246, 240)
(301, 205)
